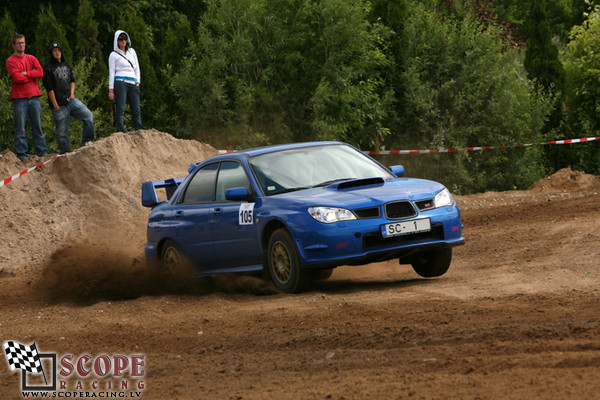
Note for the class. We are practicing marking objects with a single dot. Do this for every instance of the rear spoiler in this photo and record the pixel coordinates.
(149, 197)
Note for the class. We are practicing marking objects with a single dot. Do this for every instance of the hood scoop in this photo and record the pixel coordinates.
(359, 183)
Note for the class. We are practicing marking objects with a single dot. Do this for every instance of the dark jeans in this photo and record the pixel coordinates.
(126, 92)
(28, 107)
(79, 111)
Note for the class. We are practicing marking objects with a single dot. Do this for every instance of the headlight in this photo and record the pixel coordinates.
(330, 215)
(442, 199)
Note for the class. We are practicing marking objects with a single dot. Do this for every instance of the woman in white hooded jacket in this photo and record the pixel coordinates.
(124, 81)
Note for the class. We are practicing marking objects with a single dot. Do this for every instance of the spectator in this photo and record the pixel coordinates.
(124, 81)
(24, 71)
(60, 85)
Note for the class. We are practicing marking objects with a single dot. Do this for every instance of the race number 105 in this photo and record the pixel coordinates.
(246, 214)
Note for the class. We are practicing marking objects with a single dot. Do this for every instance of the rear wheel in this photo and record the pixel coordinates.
(171, 258)
(283, 264)
(432, 263)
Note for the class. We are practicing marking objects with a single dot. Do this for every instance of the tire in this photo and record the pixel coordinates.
(283, 264)
(432, 263)
(171, 258)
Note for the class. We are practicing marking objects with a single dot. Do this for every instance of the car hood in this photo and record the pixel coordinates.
(367, 195)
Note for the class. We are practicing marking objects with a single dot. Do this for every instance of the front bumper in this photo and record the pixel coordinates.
(360, 241)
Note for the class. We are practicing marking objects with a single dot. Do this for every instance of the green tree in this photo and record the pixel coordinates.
(176, 42)
(545, 69)
(7, 30)
(216, 87)
(580, 9)
(349, 103)
(282, 70)
(6, 114)
(541, 58)
(463, 88)
(48, 30)
(392, 15)
(175, 48)
(582, 65)
(515, 12)
(87, 46)
(25, 18)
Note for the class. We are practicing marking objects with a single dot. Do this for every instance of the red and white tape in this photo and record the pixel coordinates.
(394, 152)
(382, 152)
(17, 176)
(566, 141)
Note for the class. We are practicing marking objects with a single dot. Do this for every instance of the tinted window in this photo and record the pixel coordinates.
(231, 175)
(202, 185)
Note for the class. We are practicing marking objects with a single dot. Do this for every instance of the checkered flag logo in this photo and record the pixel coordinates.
(23, 357)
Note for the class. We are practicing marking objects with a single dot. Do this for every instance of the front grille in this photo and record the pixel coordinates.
(424, 204)
(374, 240)
(399, 210)
(371, 212)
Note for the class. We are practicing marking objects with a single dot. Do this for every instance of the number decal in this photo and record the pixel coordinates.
(246, 214)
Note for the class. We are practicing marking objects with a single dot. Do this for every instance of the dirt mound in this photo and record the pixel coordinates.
(566, 180)
(86, 196)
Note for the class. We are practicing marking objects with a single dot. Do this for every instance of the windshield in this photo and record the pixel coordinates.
(297, 169)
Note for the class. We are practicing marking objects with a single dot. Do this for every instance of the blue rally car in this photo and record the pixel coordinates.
(297, 211)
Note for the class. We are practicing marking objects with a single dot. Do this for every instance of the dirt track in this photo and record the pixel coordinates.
(516, 317)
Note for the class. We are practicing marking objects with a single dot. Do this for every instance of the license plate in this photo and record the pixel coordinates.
(406, 227)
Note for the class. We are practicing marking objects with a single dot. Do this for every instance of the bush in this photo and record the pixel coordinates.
(464, 89)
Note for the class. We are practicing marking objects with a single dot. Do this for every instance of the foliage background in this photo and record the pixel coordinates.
(379, 74)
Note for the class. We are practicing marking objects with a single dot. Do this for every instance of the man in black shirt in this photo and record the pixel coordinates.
(60, 85)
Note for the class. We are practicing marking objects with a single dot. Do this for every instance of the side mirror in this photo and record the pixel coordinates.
(237, 194)
(398, 170)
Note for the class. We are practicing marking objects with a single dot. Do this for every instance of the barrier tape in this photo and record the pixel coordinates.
(372, 152)
(566, 141)
(395, 152)
(17, 176)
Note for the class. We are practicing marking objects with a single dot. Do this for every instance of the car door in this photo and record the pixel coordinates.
(233, 230)
(191, 217)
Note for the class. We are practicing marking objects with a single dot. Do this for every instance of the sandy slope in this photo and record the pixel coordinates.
(86, 196)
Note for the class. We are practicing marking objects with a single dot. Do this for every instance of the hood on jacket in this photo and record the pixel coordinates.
(116, 40)
(55, 45)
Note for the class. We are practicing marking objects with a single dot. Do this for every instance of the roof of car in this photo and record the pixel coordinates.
(279, 147)
(268, 149)
(241, 154)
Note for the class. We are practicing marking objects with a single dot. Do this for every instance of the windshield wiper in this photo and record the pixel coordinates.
(333, 181)
(295, 189)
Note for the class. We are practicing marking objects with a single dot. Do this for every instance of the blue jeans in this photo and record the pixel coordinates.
(79, 111)
(127, 92)
(28, 107)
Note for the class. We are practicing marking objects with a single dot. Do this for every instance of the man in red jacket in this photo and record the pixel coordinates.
(24, 71)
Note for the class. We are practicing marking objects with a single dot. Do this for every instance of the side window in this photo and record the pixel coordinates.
(201, 187)
(231, 175)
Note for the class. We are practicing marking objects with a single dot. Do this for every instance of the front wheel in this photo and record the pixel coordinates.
(432, 263)
(283, 264)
